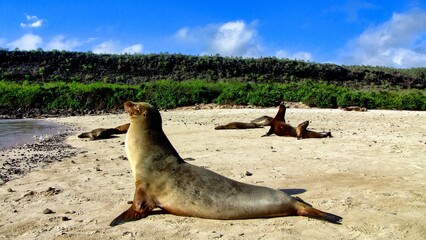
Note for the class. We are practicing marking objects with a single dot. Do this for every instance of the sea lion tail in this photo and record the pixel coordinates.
(128, 216)
(84, 135)
(304, 209)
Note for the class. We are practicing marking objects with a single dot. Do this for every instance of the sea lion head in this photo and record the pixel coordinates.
(143, 113)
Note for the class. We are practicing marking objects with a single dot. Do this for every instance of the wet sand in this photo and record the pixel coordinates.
(372, 173)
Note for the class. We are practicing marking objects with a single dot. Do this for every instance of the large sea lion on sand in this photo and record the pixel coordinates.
(104, 133)
(163, 179)
(280, 128)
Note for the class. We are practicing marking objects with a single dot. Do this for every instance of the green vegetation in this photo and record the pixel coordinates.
(85, 81)
(53, 66)
(167, 94)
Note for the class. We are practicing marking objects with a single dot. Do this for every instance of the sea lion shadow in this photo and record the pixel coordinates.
(105, 138)
(111, 137)
(293, 191)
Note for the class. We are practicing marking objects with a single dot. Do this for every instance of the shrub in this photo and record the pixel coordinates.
(166, 94)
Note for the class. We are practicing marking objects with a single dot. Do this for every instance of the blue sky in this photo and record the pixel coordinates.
(349, 32)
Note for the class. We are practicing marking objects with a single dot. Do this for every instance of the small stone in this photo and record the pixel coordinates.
(10, 190)
(48, 211)
(66, 219)
(248, 173)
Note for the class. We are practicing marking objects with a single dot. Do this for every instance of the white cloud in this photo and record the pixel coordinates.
(27, 42)
(229, 39)
(32, 22)
(106, 47)
(306, 56)
(60, 43)
(137, 48)
(398, 42)
(113, 48)
(184, 34)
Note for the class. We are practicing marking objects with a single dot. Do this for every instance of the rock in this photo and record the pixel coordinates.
(48, 211)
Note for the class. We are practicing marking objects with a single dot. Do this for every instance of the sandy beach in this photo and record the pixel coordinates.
(371, 173)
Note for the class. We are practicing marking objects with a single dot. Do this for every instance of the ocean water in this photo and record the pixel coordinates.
(21, 131)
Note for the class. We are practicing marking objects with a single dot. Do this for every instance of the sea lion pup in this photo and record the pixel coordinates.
(280, 128)
(104, 133)
(163, 179)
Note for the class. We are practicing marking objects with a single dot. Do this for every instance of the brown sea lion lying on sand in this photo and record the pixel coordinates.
(280, 128)
(104, 133)
(355, 108)
(256, 123)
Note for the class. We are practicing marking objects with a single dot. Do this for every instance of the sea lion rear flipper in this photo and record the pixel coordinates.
(317, 214)
(123, 128)
(141, 207)
(306, 210)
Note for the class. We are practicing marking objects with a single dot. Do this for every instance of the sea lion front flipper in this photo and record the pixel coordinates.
(141, 207)
(84, 135)
(269, 133)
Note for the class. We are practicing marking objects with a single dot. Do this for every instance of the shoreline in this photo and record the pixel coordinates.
(19, 160)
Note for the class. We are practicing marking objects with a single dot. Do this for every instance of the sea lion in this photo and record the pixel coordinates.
(163, 179)
(239, 125)
(280, 128)
(355, 108)
(104, 133)
(256, 123)
(302, 132)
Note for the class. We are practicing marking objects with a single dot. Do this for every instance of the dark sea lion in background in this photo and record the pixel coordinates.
(256, 123)
(163, 179)
(280, 128)
(355, 108)
(239, 125)
(302, 132)
(104, 133)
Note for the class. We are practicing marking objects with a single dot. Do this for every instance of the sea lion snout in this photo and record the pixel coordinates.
(132, 108)
(128, 105)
